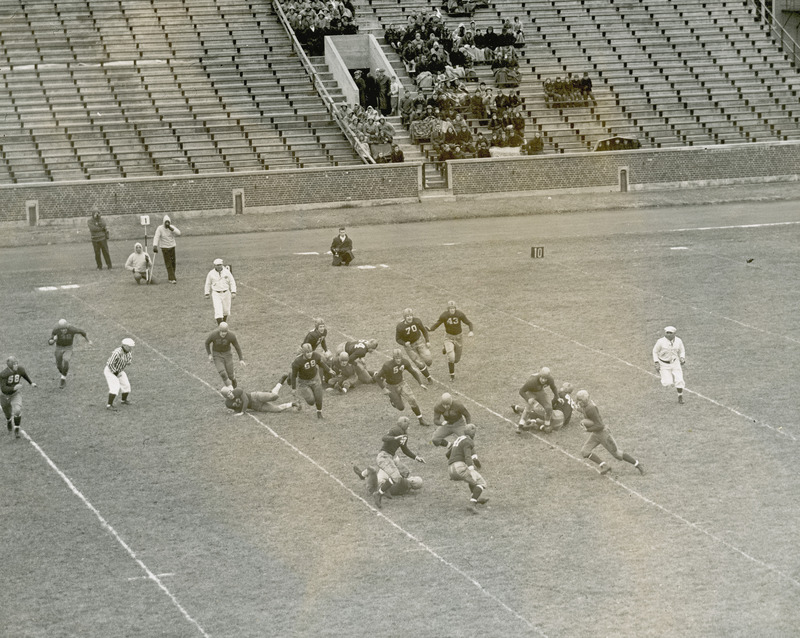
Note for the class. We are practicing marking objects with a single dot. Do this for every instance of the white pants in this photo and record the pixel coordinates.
(116, 382)
(671, 374)
(222, 303)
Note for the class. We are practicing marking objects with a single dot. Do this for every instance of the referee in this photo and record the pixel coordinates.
(115, 375)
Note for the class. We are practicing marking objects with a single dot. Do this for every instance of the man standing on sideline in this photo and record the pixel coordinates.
(306, 379)
(412, 335)
(669, 355)
(452, 318)
(449, 417)
(600, 435)
(10, 395)
(140, 265)
(99, 235)
(63, 335)
(221, 287)
(533, 393)
(390, 378)
(342, 249)
(396, 439)
(164, 238)
(116, 378)
(218, 349)
(463, 465)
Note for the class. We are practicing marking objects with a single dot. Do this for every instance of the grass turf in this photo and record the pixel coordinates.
(259, 526)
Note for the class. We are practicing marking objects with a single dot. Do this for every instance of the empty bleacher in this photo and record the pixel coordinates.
(92, 89)
(670, 72)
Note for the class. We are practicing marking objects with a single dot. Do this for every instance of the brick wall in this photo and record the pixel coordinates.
(646, 169)
(193, 194)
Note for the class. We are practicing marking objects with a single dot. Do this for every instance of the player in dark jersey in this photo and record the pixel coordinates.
(305, 376)
(600, 435)
(63, 335)
(10, 395)
(562, 412)
(463, 465)
(375, 477)
(396, 439)
(452, 318)
(533, 393)
(317, 336)
(240, 401)
(218, 349)
(356, 353)
(346, 375)
(390, 378)
(450, 417)
(412, 335)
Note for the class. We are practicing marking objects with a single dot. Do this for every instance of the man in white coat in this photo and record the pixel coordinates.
(669, 356)
(221, 287)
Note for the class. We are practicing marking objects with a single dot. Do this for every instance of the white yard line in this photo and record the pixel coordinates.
(156, 578)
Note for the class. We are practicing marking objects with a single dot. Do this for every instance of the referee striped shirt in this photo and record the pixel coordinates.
(118, 360)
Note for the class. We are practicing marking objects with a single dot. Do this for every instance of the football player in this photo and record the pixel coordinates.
(63, 335)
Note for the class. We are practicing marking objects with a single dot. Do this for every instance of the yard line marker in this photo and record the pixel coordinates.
(148, 573)
(308, 458)
(679, 248)
(309, 253)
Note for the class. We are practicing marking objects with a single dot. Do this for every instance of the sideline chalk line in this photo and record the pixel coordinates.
(107, 526)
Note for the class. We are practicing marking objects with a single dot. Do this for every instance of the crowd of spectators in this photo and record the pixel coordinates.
(435, 55)
(312, 20)
(378, 90)
(569, 91)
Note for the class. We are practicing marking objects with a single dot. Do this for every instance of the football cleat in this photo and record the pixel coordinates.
(358, 472)
(377, 498)
(472, 507)
(639, 467)
(319, 414)
(483, 500)
(62, 383)
(606, 469)
(680, 399)
(296, 406)
(283, 379)
(125, 402)
(111, 408)
(8, 423)
(16, 432)
(424, 423)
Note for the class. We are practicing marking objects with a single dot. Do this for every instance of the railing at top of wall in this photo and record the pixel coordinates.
(320, 87)
(787, 42)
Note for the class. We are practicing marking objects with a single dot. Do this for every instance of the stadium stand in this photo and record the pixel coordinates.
(93, 89)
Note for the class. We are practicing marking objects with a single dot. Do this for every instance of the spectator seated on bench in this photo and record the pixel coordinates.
(533, 146)
(569, 91)
(312, 20)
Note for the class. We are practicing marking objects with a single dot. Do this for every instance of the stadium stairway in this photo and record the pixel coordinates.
(94, 89)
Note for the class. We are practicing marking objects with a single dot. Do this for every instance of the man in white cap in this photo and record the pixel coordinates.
(115, 374)
(669, 355)
(63, 335)
(221, 287)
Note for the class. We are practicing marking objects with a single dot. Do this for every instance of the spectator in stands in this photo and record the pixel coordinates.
(482, 146)
(358, 78)
(383, 90)
(394, 95)
(99, 235)
(312, 20)
(534, 146)
(397, 156)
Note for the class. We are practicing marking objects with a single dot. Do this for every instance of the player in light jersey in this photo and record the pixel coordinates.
(63, 336)
(452, 319)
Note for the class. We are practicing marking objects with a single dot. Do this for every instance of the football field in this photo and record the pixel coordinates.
(171, 517)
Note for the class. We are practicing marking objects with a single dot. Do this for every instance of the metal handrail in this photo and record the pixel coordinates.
(784, 36)
(330, 105)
